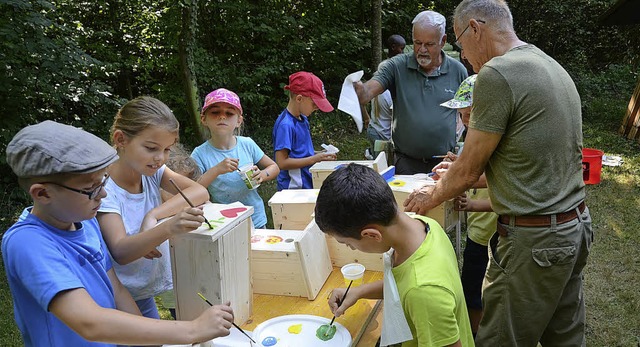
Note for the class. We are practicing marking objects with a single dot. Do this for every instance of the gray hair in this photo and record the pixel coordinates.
(494, 12)
(430, 19)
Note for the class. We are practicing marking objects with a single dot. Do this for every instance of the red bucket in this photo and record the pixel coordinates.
(591, 165)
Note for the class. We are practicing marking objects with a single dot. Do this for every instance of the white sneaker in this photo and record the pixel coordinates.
(367, 154)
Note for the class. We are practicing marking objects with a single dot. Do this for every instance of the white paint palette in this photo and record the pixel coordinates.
(277, 329)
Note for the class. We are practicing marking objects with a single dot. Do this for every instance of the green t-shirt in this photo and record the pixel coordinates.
(532, 101)
(421, 127)
(481, 225)
(431, 292)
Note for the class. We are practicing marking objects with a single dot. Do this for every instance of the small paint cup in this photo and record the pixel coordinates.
(246, 172)
(353, 272)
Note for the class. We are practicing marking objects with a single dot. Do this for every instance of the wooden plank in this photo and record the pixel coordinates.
(214, 262)
(315, 261)
(632, 115)
(321, 170)
(292, 208)
(235, 271)
(341, 254)
(371, 330)
(277, 273)
(380, 163)
(266, 307)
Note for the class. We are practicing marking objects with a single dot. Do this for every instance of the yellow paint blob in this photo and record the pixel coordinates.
(295, 329)
(397, 183)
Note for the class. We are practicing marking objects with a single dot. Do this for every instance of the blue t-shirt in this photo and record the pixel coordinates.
(294, 135)
(230, 187)
(42, 261)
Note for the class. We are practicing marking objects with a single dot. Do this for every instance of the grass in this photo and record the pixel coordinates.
(612, 274)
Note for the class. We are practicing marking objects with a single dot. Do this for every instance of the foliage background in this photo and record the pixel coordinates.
(77, 61)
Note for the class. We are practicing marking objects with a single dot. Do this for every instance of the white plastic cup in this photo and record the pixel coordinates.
(353, 272)
(246, 172)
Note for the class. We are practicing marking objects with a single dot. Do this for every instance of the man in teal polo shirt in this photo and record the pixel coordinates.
(419, 82)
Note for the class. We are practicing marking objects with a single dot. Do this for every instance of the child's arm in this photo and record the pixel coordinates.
(127, 248)
(77, 309)
(286, 163)
(196, 193)
(269, 170)
(366, 119)
(463, 203)
(481, 183)
(223, 167)
(371, 290)
(124, 300)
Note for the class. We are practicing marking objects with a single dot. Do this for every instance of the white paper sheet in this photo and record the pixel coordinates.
(348, 102)
(330, 149)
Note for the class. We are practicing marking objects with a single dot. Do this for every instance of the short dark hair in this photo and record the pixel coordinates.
(395, 39)
(351, 198)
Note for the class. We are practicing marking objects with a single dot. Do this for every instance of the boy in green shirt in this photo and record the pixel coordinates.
(356, 206)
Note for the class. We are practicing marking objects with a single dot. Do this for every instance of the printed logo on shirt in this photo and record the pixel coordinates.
(91, 258)
(449, 91)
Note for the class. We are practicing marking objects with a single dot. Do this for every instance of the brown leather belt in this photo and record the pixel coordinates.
(542, 220)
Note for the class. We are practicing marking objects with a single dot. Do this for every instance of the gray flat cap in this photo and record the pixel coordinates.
(49, 148)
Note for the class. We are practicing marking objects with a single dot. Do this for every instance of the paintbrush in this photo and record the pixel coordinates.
(234, 324)
(188, 201)
(340, 303)
(439, 156)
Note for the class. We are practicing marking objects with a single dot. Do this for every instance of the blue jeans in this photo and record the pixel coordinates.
(373, 135)
(148, 308)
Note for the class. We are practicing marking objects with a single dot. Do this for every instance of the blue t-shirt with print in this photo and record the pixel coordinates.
(42, 261)
(230, 187)
(294, 135)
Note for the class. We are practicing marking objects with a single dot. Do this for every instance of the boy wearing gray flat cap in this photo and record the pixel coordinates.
(65, 292)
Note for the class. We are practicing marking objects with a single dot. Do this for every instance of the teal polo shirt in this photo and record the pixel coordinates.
(421, 127)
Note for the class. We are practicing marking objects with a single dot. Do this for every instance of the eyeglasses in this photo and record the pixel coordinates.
(456, 42)
(92, 194)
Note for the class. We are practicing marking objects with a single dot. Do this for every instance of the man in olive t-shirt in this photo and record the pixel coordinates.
(525, 132)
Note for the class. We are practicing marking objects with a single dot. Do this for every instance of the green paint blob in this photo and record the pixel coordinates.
(326, 332)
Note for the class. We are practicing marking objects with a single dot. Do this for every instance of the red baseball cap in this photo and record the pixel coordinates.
(308, 84)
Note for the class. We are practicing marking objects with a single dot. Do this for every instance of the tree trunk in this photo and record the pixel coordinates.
(185, 52)
(376, 34)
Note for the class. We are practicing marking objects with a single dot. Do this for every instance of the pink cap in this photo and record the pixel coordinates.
(308, 84)
(222, 95)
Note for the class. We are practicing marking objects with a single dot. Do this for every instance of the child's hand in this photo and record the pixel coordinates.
(227, 165)
(322, 156)
(190, 218)
(450, 157)
(148, 222)
(256, 174)
(440, 170)
(336, 303)
(153, 254)
(462, 203)
(215, 321)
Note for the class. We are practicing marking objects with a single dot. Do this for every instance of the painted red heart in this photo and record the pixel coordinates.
(232, 212)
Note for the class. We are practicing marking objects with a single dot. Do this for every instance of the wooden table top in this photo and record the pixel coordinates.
(356, 319)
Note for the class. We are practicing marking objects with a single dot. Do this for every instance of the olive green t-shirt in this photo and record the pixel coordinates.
(532, 101)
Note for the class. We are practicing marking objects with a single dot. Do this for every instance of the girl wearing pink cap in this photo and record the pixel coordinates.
(225, 152)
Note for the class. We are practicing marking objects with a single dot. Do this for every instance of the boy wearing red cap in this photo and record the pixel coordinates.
(292, 143)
